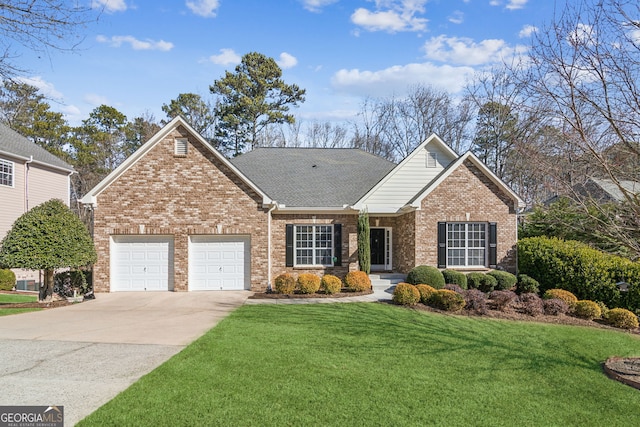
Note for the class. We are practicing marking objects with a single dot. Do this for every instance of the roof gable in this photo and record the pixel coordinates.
(15, 145)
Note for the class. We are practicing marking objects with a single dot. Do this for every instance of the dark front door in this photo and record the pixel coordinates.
(376, 237)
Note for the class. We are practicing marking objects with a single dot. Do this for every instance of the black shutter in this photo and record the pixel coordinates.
(442, 245)
(337, 245)
(493, 245)
(289, 251)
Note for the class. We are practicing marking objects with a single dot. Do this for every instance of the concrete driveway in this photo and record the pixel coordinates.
(81, 356)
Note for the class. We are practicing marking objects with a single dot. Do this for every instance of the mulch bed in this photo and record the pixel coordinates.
(273, 295)
(51, 304)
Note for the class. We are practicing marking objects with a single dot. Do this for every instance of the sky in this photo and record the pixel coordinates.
(140, 54)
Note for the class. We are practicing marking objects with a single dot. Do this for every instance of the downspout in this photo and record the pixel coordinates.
(26, 183)
(273, 207)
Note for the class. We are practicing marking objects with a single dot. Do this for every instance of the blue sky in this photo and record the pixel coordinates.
(143, 53)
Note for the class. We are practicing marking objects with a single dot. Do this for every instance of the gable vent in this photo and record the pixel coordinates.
(180, 148)
(432, 160)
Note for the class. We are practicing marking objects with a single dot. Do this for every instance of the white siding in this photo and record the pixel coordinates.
(408, 180)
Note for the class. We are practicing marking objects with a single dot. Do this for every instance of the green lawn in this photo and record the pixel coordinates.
(375, 364)
(12, 298)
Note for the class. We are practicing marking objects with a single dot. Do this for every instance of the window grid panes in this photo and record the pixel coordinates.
(6, 173)
(466, 244)
(314, 244)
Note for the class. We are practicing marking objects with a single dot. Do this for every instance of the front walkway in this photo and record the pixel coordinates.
(377, 295)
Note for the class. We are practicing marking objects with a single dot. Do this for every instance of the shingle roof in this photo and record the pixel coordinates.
(13, 143)
(612, 190)
(313, 177)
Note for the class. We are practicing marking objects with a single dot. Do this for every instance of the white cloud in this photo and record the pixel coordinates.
(287, 61)
(316, 5)
(397, 79)
(527, 31)
(397, 15)
(117, 41)
(45, 88)
(110, 5)
(205, 8)
(464, 51)
(511, 4)
(457, 17)
(226, 57)
(583, 34)
(95, 100)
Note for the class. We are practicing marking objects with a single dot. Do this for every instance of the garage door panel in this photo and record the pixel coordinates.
(142, 263)
(219, 262)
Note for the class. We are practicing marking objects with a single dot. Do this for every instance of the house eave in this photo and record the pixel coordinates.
(36, 162)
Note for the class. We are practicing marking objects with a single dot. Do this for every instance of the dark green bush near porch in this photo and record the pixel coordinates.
(447, 300)
(481, 281)
(405, 294)
(7, 279)
(505, 280)
(455, 277)
(426, 275)
(285, 284)
(527, 284)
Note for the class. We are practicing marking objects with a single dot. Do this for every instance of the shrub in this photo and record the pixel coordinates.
(503, 300)
(555, 307)
(405, 294)
(565, 296)
(481, 281)
(426, 274)
(285, 284)
(531, 304)
(425, 293)
(445, 299)
(7, 279)
(331, 284)
(454, 288)
(475, 300)
(455, 277)
(357, 281)
(622, 318)
(526, 284)
(504, 280)
(308, 283)
(586, 309)
(604, 310)
(65, 283)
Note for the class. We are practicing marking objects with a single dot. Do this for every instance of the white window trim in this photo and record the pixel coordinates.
(13, 172)
(181, 146)
(467, 247)
(313, 248)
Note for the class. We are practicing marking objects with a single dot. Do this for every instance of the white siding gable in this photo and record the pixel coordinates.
(409, 178)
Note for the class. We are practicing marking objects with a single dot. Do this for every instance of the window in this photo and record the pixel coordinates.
(181, 145)
(313, 245)
(432, 160)
(466, 244)
(6, 173)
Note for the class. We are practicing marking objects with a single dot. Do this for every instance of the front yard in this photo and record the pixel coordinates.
(16, 298)
(377, 364)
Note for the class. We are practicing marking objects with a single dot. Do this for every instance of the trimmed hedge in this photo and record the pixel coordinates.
(527, 284)
(586, 309)
(565, 296)
(426, 275)
(505, 280)
(7, 279)
(331, 284)
(622, 318)
(481, 281)
(447, 300)
(425, 293)
(357, 281)
(308, 283)
(405, 294)
(285, 284)
(455, 277)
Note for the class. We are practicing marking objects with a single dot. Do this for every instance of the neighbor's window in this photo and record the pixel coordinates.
(6, 173)
(313, 245)
(181, 146)
(466, 244)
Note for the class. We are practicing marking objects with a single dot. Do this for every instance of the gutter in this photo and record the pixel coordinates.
(35, 162)
(26, 183)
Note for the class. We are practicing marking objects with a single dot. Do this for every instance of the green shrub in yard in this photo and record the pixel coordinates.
(331, 284)
(405, 294)
(504, 280)
(425, 293)
(447, 300)
(526, 284)
(586, 309)
(308, 283)
(427, 275)
(604, 310)
(7, 279)
(481, 281)
(565, 296)
(285, 284)
(357, 281)
(455, 277)
(622, 318)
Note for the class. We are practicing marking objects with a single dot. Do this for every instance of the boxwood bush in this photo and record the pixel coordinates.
(330, 284)
(7, 279)
(526, 284)
(586, 309)
(455, 277)
(481, 281)
(285, 284)
(447, 300)
(504, 280)
(425, 293)
(357, 281)
(565, 296)
(426, 275)
(308, 283)
(405, 294)
(622, 318)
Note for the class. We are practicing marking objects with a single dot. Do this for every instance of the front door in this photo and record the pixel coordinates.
(380, 244)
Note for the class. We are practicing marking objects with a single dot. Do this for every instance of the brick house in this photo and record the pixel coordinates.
(177, 215)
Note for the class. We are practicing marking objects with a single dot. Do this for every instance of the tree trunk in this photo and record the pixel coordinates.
(47, 293)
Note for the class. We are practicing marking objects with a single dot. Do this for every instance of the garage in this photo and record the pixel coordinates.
(141, 263)
(219, 263)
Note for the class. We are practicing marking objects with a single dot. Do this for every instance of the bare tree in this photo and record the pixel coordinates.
(326, 135)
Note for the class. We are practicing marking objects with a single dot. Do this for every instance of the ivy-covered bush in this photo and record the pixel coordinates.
(7, 279)
(455, 277)
(357, 281)
(454, 288)
(285, 284)
(526, 284)
(425, 293)
(565, 296)
(481, 281)
(330, 284)
(475, 300)
(427, 275)
(447, 300)
(308, 283)
(622, 318)
(503, 300)
(504, 280)
(586, 309)
(555, 307)
(531, 304)
(405, 294)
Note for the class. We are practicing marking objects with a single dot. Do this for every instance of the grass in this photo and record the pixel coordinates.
(13, 298)
(376, 364)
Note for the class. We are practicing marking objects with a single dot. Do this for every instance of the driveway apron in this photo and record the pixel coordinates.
(81, 356)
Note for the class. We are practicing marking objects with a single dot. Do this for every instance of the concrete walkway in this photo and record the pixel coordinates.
(378, 294)
(82, 356)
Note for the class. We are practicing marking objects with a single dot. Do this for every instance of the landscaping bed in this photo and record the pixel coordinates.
(274, 295)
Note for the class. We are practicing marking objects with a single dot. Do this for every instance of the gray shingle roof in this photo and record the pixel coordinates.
(313, 177)
(13, 143)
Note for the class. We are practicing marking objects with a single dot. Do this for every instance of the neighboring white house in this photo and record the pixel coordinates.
(29, 176)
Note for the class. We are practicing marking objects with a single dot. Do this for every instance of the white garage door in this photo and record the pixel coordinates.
(142, 263)
(219, 263)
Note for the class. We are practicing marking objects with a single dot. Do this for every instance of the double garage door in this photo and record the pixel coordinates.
(145, 263)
